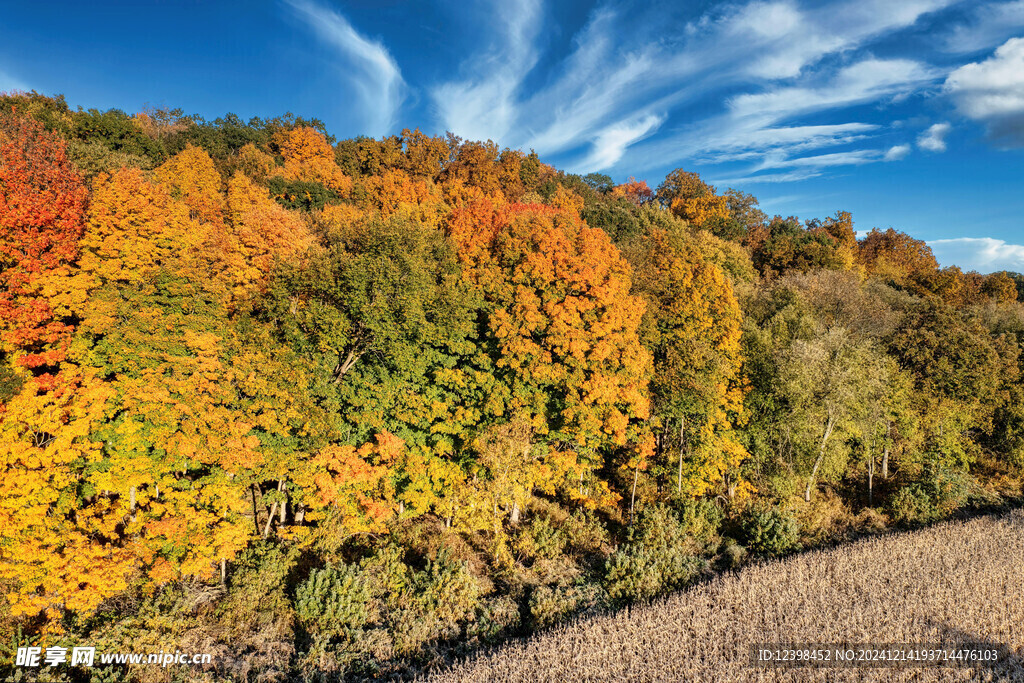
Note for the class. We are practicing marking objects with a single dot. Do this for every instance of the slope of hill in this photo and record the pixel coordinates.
(951, 584)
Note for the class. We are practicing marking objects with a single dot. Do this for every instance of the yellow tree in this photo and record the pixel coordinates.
(258, 233)
(309, 157)
(191, 176)
(693, 200)
(693, 329)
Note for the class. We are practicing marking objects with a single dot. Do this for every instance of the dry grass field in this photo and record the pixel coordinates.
(954, 583)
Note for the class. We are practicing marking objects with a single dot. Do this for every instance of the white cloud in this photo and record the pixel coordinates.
(983, 254)
(992, 92)
(855, 158)
(989, 24)
(934, 139)
(372, 70)
(735, 81)
(896, 152)
(611, 143)
(865, 81)
(484, 105)
(790, 177)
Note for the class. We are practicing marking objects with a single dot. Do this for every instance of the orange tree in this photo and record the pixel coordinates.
(560, 329)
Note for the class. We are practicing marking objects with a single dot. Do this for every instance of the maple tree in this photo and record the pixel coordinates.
(690, 198)
(309, 157)
(563, 322)
(42, 206)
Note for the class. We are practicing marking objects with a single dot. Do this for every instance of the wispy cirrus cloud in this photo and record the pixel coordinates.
(749, 72)
(612, 141)
(483, 105)
(369, 67)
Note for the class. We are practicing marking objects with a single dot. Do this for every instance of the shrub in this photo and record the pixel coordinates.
(733, 553)
(656, 557)
(434, 605)
(551, 604)
(701, 520)
(332, 602)
(494, 618)
(770, 531)
(939, 493)
(541, 539)
(584, 532)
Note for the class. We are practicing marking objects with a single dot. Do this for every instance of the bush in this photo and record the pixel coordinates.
(733, 554)
(332, 602)
(657, 556)
(770, 531)
(434, 605)
(494, 618)
(939, 493)
(701, 520)
(584, 532)
(551, 604)
(541, 539)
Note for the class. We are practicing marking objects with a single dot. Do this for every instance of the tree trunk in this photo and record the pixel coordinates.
(270, 519)
(682, 444)
(885, 463)
(344, 366)
(515, 513)
(255, 509)
(871, 479)
(131, 502)
(282, 486)
(821, 456)
(632, 498)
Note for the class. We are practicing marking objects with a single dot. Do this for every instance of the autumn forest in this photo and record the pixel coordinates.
(356, 408)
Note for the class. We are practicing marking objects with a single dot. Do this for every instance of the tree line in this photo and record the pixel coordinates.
(423, 390)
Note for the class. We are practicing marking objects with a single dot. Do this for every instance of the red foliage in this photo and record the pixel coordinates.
(42, 204)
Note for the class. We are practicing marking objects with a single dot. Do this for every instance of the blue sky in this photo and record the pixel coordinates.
(908, 113)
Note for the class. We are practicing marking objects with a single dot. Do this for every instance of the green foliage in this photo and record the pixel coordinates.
(660, 554)
(549, 605)
(584, 532)
(118, 132)
(93, 158)
(937, 494)
(770, 531)
(10, 381)
(617, 217)
(495, 617)
(541, 538)
(301, 194)
(332, 602)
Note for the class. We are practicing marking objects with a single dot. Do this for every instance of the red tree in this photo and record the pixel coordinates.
(42, 204)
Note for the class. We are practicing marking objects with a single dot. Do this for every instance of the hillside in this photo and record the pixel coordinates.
(951, 584)
(344, 408)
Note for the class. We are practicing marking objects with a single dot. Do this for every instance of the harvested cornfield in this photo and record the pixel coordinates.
(952, 584)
